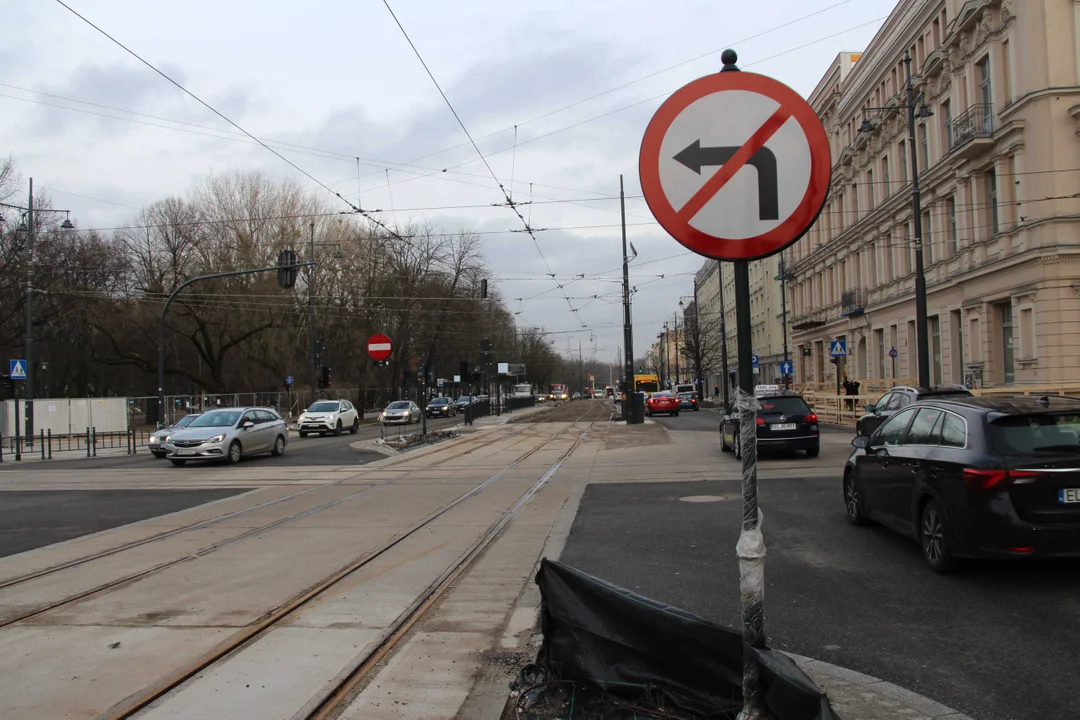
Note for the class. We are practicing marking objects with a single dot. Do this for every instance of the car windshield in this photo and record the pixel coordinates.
(216, 418)
(185, 421)
(1019, 434)
(399, 405)
(464, 398)
(324, 407)
(784, 405)
(439, 401)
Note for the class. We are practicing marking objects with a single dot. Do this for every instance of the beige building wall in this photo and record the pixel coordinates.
(999, 170)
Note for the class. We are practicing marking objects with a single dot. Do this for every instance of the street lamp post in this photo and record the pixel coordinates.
(916, 107)
(30, 222)
(316, 353)
(628, 331)
(723, 335)
(677, 371)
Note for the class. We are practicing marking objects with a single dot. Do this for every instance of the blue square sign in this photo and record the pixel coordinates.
(838, 348)
(18, 370)
(753, 360)
(786, 368)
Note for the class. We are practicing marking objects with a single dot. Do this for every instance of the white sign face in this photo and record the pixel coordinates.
(704, 136)
(457, 378)
(760, 390)
(504, 368)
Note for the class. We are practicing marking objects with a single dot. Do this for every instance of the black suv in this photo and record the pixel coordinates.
(899, 398)
(991, 477)
(784, 422)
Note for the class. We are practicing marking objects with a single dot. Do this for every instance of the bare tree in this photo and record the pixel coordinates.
(700, 346)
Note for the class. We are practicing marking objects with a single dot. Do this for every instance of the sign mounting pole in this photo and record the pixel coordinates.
(736, 166)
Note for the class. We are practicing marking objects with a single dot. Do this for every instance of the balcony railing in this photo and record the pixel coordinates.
(853, 302)
(976, 122)
(812, 318)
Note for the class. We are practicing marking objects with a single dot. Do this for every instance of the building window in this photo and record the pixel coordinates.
(986, 94)
(890, 267)
(936, 33)
(879, 336)
(950, 213)
(871, 200)
(1006, 72)
(992, 201)
(946, 124)
(885, 177)
(1008, 357)
(935, 349)
(956, 321)
(902, 153)
(855, 201)
(924, 148)
(1027, 333)
(928, 237)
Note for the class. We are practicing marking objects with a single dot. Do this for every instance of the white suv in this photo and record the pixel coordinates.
(329, 416)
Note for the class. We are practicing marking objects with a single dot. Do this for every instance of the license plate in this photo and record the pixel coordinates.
(186, 451)
(784, 426)
(1068, 496)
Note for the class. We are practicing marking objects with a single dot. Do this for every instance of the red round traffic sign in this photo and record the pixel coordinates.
(731, 121)
(379, 347)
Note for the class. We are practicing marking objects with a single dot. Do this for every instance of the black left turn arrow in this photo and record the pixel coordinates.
(764, 161)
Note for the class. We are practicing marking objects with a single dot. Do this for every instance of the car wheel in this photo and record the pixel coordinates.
(355, 427)
(235, 452)
(337, 429)
(676, 413)
(813, 452)
(279, 447)
(738, 448)
(852, 501)
(724, 447)
(934, 538)
(178, 463)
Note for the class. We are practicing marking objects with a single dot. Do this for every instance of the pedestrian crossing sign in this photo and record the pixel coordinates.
(18, 370)
(838, 348)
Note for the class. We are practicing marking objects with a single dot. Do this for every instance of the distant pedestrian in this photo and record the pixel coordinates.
(716, 391)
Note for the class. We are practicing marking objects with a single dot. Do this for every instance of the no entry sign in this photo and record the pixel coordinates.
(379, 347)
(735, 166)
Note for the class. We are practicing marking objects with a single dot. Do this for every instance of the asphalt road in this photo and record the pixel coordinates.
(312, 450)
(997, 642)
(31, 520)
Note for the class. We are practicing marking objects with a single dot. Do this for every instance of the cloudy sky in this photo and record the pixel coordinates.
(338, 81)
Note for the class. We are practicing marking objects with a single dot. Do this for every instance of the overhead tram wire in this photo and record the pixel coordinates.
(509, 199)
(221, 115)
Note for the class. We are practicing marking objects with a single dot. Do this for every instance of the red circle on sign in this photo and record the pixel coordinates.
(784, 234)
(379, 347)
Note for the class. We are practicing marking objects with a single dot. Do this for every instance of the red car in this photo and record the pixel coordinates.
(662, 402)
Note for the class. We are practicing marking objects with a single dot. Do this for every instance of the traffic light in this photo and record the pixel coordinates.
(483, 288)
(464, 370)
(286, 274)
(324, 377)
(6, 382)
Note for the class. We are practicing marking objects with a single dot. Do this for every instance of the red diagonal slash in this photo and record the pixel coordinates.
(732, 166)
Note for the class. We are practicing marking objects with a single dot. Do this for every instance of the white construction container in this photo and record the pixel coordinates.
(68, 416)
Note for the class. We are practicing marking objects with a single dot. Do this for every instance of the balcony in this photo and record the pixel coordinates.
(973, 131)
(853, 302)
(813, 318)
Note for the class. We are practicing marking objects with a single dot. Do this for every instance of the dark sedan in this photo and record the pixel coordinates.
(688, 401)
(973, 477)
(899, 398)
(784, 422)
(441, 407)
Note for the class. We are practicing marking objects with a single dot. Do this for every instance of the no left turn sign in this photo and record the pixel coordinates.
(735, 166)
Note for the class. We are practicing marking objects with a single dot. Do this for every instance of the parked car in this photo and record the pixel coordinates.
(784, 422)
(326, 416)
(229, 434)
(464, 401)
(156, 443)
(688, 401)
(441, 407)
(401, 412)
(973, 477)
(662, 402)
(899, 398)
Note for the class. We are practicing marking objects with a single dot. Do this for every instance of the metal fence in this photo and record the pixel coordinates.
(45, 443)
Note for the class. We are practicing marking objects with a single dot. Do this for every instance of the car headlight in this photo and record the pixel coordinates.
(216, 438)
(168, 438)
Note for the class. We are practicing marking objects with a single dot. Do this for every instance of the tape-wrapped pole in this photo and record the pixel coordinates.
(751, 545)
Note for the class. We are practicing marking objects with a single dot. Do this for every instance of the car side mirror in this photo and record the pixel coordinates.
(248, 425)
(861, 441)
(870, 408)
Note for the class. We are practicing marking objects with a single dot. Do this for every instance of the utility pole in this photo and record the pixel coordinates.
(628, 331)
(311, 313)
(660, 344)
(677, 378)
(783, 306)
(723, 336)
(916, 209)
(29, 389)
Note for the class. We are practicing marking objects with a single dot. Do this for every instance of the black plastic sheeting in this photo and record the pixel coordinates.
(626, 645)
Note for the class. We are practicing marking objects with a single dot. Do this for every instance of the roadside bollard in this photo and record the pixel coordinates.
(43, 444)
(93, 435)
(1, 447)
(87, 442)
(50, 443)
